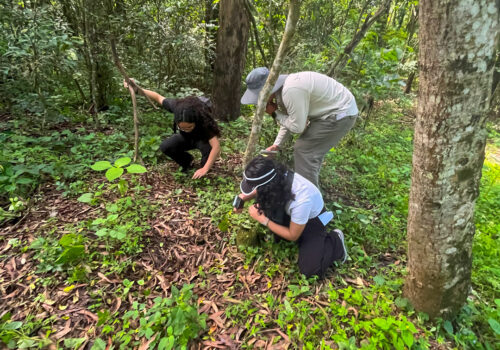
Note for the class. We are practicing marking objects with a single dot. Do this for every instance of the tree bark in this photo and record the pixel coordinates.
(230, 59)
(291, 23)
(457, 46)
(341, 61)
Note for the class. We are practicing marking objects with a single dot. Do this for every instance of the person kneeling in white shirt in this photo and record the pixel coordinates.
(293, 208)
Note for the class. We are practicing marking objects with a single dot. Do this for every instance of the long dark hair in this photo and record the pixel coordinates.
(277, 192)
(193, 110)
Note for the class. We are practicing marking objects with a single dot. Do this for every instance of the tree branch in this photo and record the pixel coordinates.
(291, 23)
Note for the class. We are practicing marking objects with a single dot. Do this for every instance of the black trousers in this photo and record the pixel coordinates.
(318, 249)
(176, 147)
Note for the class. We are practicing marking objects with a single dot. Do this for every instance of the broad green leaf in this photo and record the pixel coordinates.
(149, 333)
(99, 344)
(494, 325)
(407, 337)
(68, 240)
(379, 280)
(121, 162)
(381, 323)
(112, 208)
(114, 173)
(166, 343)
(73, 343)
(71, 254)
(136, 169)
(448, 327)
(11, 325)
(24, 181)
(101, 165)
(401, 302)
(101, 232)
(85, 198)
(112, 217)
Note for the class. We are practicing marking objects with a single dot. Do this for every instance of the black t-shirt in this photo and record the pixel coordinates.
(199, 132)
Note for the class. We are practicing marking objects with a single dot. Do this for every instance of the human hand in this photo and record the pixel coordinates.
(247, 197)
(200, 173)
(125, 84)
(273, 148)
(132, 85)
(254, 213)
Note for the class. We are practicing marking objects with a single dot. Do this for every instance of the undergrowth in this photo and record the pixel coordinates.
(365, 182)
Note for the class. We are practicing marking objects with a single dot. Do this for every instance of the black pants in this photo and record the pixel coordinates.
(318, 249)
(176, 147)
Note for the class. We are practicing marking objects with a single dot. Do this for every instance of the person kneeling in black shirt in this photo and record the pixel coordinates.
(197, 130)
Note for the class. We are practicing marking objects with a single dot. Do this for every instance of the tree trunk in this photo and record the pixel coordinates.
(409, 82)
(344, 19)
(230, 59)
(211, 15)
(291, 23)
(248, 7)
(456, 62)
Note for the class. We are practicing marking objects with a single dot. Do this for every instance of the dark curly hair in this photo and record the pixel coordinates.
(193, 110)
(276, 193)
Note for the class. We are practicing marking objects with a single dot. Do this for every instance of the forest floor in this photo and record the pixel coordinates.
(177, 274)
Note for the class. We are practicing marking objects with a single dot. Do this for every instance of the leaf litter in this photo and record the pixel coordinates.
(177, 246)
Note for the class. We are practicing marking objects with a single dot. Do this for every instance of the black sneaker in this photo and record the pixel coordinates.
(341, 236)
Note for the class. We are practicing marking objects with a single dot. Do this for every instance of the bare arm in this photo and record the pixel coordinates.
(151, 94)
(291, 233)
(212, 157)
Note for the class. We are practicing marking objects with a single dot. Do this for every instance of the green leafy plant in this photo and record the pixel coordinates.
(170, 323)
(17, 334)
(53, 254)
(116, 170)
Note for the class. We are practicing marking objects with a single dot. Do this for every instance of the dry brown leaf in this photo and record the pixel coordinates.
(145, 344)
(216, 318)
(64, 331)
(89, 314)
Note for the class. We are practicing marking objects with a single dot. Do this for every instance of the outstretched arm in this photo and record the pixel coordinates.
(149, 93)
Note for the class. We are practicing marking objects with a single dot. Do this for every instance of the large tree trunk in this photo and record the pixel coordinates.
(230, 59)
(457, 44)
(291, 23)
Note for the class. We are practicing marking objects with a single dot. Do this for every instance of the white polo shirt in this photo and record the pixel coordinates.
(308, 201)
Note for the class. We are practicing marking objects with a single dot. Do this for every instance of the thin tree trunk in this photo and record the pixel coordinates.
(255, 31)
(409, 82)
(211, 15)
(344, 18)
(449, 143)
(341, 61)
(291, 23)
(91, 66)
